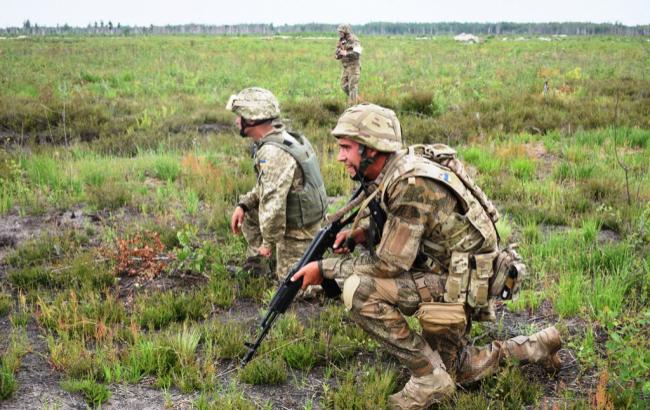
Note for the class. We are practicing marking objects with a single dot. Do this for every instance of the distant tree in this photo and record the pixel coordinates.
(110, 25)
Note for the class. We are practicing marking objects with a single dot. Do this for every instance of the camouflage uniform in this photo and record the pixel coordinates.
(265, 221)
(426, 212)
(351, 62)
(279, 175)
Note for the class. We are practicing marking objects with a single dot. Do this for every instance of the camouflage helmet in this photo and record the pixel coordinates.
(370, 125)
(254, 104)
(344, 28)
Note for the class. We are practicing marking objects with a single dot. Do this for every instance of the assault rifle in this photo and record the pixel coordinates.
(288, 289)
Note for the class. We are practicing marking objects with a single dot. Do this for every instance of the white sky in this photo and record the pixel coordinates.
(161, 12)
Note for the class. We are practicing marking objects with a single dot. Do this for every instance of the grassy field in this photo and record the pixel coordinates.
(120, 168)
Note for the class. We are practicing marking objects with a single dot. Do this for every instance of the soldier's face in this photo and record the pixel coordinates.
(238, 123)
(349, 155)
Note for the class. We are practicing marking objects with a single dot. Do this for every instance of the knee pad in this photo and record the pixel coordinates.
(349, 289)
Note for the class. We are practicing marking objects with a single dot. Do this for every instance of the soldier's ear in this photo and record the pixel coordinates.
(371, 152)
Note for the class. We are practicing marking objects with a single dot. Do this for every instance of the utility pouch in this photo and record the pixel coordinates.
(458, 278)
(479, 285)
(441, 318)
(509, 272)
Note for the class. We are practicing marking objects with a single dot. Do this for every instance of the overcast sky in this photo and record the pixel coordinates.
(161, 12)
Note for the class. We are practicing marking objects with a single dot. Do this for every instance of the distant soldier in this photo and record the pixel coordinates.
(283, 212)
(436, 257)
(348, 50)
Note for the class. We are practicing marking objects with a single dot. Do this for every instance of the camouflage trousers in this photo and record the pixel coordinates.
(378, 305)
(287, 251)
(350, 82)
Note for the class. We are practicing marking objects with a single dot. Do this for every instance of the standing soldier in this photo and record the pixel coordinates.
(436, 257)
(283, 211)
(348, 50)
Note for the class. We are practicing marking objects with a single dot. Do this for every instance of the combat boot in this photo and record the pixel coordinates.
(541, 347)
(422, 392)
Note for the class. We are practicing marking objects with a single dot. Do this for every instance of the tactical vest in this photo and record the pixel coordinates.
(468, 274)
(416, 162)
(309, 205)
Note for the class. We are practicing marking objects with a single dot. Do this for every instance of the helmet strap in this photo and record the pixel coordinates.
(363, 164)
(247, 124)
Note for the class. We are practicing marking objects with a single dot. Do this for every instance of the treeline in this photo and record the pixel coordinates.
(377, 28)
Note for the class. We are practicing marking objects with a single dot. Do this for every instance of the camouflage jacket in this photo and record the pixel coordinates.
(418, 209)
(352, 47)
(277, 174)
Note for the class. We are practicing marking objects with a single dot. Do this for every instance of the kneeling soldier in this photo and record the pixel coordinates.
(436, 256)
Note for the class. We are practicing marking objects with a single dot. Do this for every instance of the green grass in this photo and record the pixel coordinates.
(363, 388)
(159, 310)
(264, 370)
(94, 393)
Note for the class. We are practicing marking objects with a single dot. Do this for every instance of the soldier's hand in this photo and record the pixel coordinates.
(264, 251)
(236, 220)
(358, 236)
(339, 245)
(310, 274)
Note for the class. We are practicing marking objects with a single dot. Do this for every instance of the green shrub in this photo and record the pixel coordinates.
(420, 102)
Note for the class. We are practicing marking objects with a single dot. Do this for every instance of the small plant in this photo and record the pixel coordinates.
(140, 255)
(166, 168)
(158, 310)
(528, 299)
(523, 168)
(228, 339)
(264, 370)
(367, 388)
(185, 343)
(110, 195)
(72, 358)
(301, 355)
(222, 292)
(192, 256)
(512, 389)
(94, 393)
(231, 398)
(8, 384)
(6, 303)
(420, 102)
